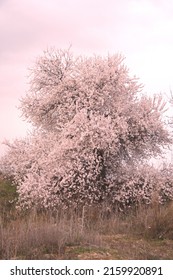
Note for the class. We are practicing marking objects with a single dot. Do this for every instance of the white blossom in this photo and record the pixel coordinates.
(93, 129)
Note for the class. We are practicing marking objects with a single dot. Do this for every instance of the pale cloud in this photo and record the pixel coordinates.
(141, 8)
(28, 24)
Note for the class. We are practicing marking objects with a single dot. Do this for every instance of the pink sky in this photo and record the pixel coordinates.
(141, 30)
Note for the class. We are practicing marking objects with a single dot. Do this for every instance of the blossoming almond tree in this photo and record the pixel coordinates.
(91, 126)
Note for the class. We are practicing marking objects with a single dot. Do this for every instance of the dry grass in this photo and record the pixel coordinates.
(37, 236)
(91, 233)
(77, 235)
(154, 221)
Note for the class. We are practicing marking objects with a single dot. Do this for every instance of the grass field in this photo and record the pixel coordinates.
(144, 233)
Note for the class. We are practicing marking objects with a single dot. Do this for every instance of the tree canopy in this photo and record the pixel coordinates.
(92, 129)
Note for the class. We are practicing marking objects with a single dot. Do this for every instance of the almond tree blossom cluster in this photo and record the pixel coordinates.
(92, 129)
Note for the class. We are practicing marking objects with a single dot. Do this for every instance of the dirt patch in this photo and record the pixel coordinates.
(121, 247)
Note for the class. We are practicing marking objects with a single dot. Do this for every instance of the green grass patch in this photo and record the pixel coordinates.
(8, 196)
